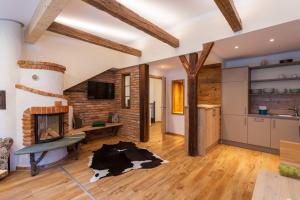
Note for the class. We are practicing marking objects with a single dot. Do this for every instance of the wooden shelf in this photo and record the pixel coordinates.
(275, 65)
(273, 94)
(275, 79)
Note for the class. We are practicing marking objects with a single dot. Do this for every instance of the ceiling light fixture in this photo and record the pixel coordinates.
(272, 40)
(236, 47)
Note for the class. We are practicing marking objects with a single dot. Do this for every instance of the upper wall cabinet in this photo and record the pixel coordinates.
(235, 98)
(236, 74)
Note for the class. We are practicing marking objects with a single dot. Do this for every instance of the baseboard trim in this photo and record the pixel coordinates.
(174, 134)
(251, 147)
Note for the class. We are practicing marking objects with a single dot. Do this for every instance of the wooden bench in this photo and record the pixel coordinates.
(71, 140)
(90, 129)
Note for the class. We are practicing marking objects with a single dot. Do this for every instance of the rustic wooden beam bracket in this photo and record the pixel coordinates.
(192, 68)
(230, 13)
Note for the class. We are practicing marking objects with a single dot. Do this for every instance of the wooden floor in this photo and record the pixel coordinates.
(225, 173)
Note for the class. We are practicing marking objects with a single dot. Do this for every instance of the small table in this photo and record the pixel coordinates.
(272, 186)
(72, 140)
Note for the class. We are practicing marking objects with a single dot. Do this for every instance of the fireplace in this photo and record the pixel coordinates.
(48, 127)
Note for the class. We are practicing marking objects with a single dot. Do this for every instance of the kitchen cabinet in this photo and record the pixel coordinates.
(209, 123)
(234, 128)
(284, 129)
(235, 74)
(259, 131)
(235, 98)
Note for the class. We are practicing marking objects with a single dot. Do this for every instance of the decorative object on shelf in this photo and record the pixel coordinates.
(281, 90)
(286, 61)
(35, 77)
(264, 62)
(294, 76)
(113, 117)
(262, 110)
(2, 100)
(282, 76)
(98, 123)
(268, 90)
(294, 90)
(256, 91)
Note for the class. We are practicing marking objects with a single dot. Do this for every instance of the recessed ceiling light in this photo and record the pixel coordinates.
(236, 47)
(272, 40)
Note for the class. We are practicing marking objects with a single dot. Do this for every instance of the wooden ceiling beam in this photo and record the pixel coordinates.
(126, 15)
(230, 13)
(87, 37)
(43, 17)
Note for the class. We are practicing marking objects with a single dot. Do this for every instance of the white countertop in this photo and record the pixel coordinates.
(208, 106)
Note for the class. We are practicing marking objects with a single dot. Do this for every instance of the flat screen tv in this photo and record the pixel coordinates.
(100, 90)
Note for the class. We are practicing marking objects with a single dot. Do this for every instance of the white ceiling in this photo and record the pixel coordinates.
(19, 10)
(256, 43)
(165, 14)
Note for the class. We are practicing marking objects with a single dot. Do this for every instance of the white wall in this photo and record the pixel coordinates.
(175, 123)
(155, 96)
(84, 60)
(10, 52)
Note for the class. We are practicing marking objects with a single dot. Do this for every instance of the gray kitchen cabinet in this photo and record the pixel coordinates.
(259, 131)
(235, 98)
(284, 129)
(234, 128)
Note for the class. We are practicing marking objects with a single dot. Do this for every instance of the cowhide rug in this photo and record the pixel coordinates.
(116, 159)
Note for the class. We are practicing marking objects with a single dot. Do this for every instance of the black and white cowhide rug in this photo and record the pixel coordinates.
(116, 159)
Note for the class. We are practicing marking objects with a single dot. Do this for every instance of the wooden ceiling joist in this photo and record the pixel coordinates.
(43, 17)
(230, 13)
(87, 37)
(126, 15)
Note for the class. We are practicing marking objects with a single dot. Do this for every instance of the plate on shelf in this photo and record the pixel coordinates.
(256, 91)
(294, 90)
(268, 90)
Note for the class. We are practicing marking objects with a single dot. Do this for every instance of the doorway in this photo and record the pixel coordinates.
(157, 107)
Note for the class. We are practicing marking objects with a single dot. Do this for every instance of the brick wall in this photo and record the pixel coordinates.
(129, 117)
(92, 110)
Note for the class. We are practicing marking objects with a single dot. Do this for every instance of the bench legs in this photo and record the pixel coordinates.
(34, 163)
(76, 150)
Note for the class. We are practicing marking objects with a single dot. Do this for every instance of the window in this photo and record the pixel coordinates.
(177, 97)
(126, 92)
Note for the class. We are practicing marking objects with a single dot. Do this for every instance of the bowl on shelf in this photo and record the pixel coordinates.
(294, 90)
(281, 90)
(256, 91)
(268, 90)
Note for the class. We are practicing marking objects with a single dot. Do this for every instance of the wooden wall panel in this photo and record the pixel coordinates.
(209, 84)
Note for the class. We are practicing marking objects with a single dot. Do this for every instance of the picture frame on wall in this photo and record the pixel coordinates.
(2, 100)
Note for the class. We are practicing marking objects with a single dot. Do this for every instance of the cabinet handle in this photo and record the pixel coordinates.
(299, 132)
(274, 123)
(259, 119)
(245, 121)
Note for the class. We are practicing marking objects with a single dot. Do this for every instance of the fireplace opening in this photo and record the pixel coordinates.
(48, 127)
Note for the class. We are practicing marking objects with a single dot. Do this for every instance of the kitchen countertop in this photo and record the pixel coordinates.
(208, 106)
(273, 116)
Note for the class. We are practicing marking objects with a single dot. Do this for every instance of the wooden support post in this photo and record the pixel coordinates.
(192, 68)
(144, 102)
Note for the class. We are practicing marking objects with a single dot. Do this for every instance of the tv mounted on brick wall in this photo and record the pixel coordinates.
(100, 90)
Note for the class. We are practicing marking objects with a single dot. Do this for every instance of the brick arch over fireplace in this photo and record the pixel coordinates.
(28, 120)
